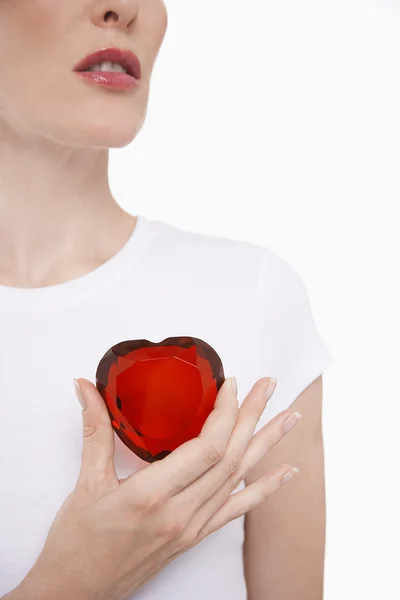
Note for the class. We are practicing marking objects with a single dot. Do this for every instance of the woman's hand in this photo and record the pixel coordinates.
(110, 536)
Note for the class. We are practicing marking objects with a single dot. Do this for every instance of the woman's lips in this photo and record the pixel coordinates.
(125, 58)
(121, 81)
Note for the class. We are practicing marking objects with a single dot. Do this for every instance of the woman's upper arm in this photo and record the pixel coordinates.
(284, 543)
(285, 534)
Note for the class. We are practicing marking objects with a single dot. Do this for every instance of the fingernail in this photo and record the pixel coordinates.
(289, 475)
(291, 421)
(79, 395)
(232, 381)
(271, 387)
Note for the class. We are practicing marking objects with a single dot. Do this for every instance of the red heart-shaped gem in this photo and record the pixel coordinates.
(159, 395)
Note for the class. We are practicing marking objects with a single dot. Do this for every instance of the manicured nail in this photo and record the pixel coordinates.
(79, 395)
(232, 381)
(291, 421)
(271, 387)
(289, 475)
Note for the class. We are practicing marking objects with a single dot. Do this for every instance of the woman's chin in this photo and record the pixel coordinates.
(95, 135)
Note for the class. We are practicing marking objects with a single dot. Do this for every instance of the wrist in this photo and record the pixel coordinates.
(42, 586)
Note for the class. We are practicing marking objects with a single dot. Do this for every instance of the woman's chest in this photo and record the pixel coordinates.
(41, 425)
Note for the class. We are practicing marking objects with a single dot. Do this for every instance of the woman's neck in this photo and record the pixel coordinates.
(58, 218)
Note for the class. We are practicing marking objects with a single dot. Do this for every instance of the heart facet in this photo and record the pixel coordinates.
(159, 394)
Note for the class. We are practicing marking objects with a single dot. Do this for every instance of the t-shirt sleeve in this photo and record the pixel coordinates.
(291, 346)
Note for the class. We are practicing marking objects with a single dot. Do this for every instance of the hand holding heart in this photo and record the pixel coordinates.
(111, 536)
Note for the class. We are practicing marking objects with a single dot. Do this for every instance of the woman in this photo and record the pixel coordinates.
(87, 518)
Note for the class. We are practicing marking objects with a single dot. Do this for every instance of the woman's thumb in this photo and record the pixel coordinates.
(98, 435)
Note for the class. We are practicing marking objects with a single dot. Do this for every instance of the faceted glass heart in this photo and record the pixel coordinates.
(159, 394)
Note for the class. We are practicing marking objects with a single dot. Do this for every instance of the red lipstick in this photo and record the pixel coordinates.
(126, 58)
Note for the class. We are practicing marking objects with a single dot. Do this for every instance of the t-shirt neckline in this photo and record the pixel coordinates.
(100, 277)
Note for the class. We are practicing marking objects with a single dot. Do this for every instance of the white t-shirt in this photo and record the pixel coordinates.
(244, 300)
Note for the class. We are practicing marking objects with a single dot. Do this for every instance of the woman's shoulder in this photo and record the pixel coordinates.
(213, 251)
(272, 284)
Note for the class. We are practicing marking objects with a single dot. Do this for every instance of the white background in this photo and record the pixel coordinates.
(278, 122)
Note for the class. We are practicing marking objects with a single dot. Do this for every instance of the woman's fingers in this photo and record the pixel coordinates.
(190, 462)
(261, 442)
(242, 502)
(164, 479)
(186, 463)
(97, 464)
(265, 439)
(200, 490)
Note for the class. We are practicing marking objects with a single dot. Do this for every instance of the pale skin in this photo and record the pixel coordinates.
(55, 194)
(284, 546)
